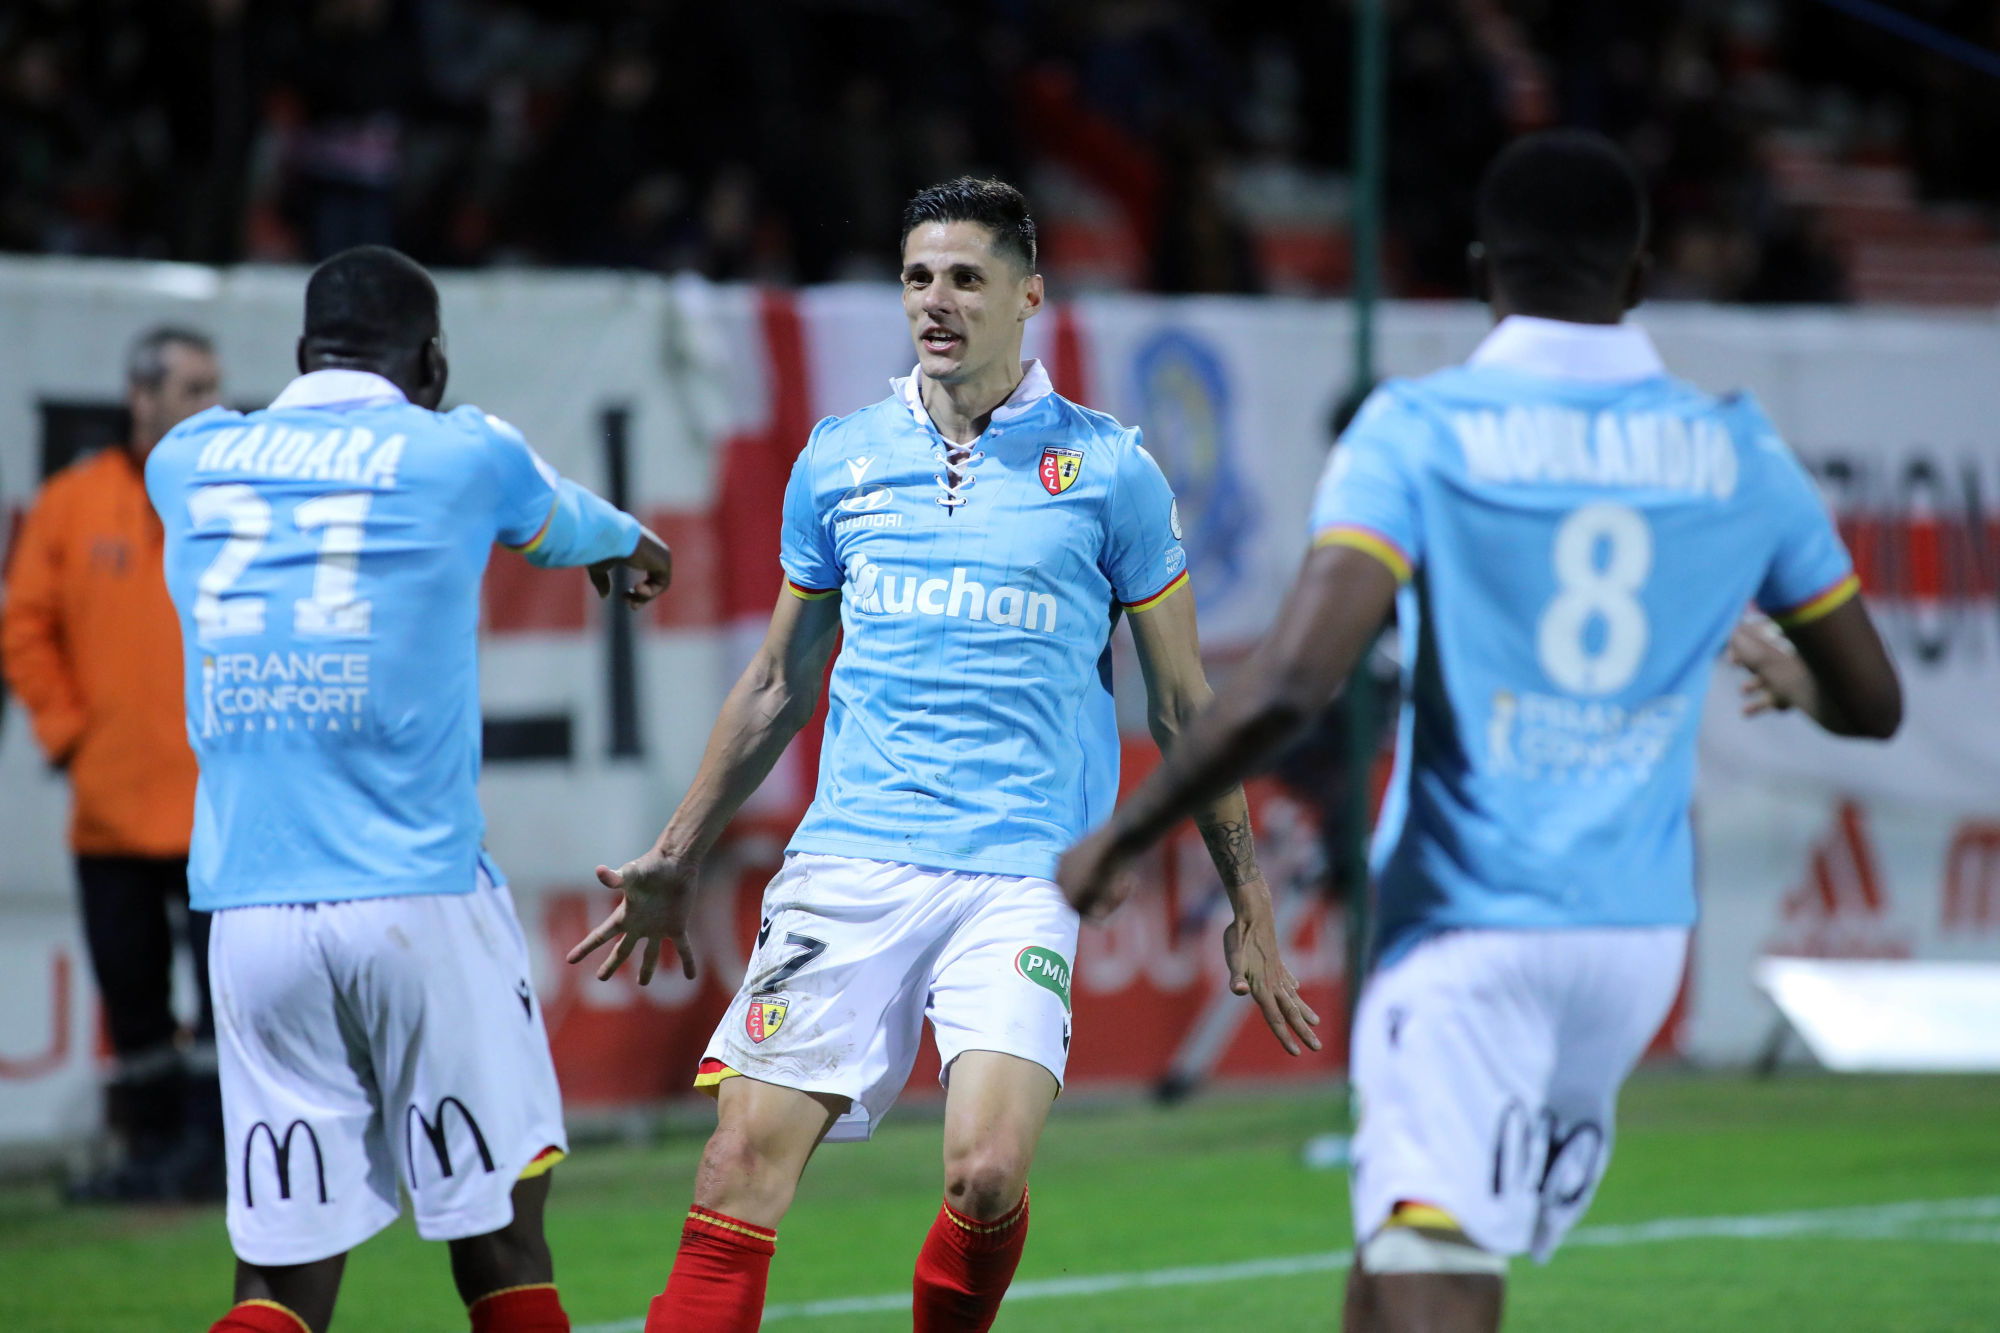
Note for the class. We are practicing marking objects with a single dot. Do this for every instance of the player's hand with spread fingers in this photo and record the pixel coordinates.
(1779, 678)
(1257, 969)
(658, 897)
(651, 558)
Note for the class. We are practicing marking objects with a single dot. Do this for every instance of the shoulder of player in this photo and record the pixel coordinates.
(1094, 433)
(188, 436)
(856, 434)
(1074, 418)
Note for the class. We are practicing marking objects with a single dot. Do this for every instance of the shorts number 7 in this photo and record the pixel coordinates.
(808, 949)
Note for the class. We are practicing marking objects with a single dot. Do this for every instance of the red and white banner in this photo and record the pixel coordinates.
(699, 397)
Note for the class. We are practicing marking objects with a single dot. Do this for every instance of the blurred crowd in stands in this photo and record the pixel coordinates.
(1794, 153)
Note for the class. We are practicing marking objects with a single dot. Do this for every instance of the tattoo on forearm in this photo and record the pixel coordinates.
(1231, 848)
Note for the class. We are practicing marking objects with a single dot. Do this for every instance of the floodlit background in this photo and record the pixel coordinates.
(665, 234)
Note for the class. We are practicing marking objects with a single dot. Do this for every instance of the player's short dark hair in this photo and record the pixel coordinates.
(1562, 213)
(371, 299)
(993, 204)
(146, 359)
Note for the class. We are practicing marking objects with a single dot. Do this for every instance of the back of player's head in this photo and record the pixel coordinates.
(993, 204)
(370, 301)
(1562, 217)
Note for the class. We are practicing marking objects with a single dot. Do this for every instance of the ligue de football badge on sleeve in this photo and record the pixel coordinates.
(766, 1016)
(1060, 468)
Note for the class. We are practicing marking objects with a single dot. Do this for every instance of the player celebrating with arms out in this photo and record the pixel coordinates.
(1568, 536)
(374, 1018)
(976, 537)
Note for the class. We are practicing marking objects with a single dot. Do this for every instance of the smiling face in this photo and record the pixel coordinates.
(965, 303)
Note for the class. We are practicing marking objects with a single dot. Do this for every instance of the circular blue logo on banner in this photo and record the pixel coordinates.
(1183, 399)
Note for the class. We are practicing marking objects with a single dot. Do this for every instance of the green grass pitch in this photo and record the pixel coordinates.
(1808, 1160)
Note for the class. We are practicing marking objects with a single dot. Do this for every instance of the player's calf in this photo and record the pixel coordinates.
(994, 1113)
(506, 1277)
(763, 1138)
(285, 1298)
(1420, 1273)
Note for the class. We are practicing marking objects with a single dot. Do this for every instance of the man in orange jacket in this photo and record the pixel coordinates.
(91, 647)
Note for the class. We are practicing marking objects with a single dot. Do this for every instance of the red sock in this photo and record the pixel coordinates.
(964, 1268)
(717, 1285)
(529, 1309)
(260, 1317)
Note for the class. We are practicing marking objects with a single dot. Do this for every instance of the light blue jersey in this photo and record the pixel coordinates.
(1577, 534)
(325, 557)
(970, 722)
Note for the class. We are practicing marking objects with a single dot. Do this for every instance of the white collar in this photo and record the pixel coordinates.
(1559, 350)
(1034, 387)
(338, 388)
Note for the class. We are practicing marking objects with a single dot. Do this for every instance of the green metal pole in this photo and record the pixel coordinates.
(1370, 116)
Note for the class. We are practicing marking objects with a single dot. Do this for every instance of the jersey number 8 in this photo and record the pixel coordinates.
(333, 608)
(1589, 591)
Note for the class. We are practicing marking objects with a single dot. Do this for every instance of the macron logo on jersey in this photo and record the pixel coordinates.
(877, 592)
(1561, 445)
(342, 454)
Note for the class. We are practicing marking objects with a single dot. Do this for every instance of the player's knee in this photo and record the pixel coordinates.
(985, 1181)
(738, 1171)
(1421, 1240)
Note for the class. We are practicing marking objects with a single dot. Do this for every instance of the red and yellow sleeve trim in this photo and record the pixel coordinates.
(1149, 603)
(540, 534)
(1371, 541)
(545, 1161)
(1813, 608)
(805, 594)
(284, 1310)
(711, 1073)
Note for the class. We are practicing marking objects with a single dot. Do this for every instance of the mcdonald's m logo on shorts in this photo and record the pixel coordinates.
(281, 1158)
(434, 1133)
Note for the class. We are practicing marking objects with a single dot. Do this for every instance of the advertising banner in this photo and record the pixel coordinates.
(687, 403)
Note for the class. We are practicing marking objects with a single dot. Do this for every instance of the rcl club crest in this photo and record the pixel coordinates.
(1060, 469)
(766, 1016)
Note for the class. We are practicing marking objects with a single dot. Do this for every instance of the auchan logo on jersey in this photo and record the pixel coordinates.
(875, 591)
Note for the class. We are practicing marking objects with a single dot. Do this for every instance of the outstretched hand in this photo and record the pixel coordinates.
(658, 894)
(1257, 969)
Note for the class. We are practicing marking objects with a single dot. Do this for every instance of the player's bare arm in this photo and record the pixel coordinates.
(1833, 669)
(653, 562)
(770, 702)
(1176, 692)
(1341, 598)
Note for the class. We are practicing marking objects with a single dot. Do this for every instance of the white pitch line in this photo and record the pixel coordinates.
(1867, 1222)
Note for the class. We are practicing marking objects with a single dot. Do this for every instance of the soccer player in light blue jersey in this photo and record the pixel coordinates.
(975, 537)
(374, 1017)
(1568, 537)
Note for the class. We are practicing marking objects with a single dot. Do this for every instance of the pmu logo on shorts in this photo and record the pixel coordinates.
(1060, 468)
(281, 1159)
(1046, 968)
(766, 1016)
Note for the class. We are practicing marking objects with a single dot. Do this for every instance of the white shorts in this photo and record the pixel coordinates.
(853, 955)
(1488, 1064)
(364, 1041)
